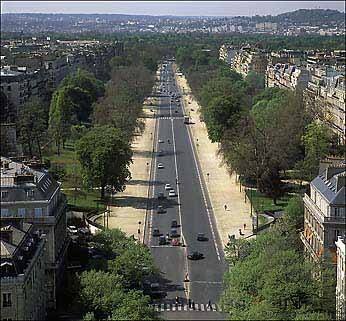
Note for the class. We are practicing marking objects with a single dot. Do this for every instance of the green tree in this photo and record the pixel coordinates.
(134, 306)
(31, 125)
(316, 142)
(105, 155)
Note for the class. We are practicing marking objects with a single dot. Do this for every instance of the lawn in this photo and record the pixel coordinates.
(262, 203)
(73, 178)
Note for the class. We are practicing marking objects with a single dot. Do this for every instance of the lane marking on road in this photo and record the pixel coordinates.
(179, 203)
(203, 192)
(155, 172)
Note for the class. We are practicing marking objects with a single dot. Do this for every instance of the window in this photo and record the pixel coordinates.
(6, 300)
(8, 88)
(21, 211)
(4, 194)
(4, 212)
(30, 193)
(38, 212)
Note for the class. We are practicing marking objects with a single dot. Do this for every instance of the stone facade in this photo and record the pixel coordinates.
(34, 196)
(324, 214)
(249, 60)
(287, 76)
(23, 295)
(227, 53)
(341, 278)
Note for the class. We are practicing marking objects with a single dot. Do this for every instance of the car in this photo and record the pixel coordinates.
(168, 187)
(172, 193)
(195, 255)
(72, 229)
(176, 111)
(173, 233)
(201, 237)
(160, 166)
(162, 240)
(174, 223)
(175, 242)
(156, 232)
(160, 209)
(161, 141)
(160, 153)
(161, 196)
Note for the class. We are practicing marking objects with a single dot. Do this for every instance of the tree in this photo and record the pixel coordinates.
(134, 306)
(31, 125)
(105, 155)
(316, 142)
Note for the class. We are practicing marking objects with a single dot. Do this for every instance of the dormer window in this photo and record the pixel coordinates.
(30, 193)
(21, 212)
(4, 194)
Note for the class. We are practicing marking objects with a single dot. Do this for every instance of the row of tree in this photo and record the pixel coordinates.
(112, 287)
(269, 279)
(262, 132)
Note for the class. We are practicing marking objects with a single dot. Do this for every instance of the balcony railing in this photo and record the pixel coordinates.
(319, 215)
(308, 247)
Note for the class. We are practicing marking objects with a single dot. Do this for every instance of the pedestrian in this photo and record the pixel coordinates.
(244, 226)
(209, 305)
(240, 233)
(193, 305)
(189, 303)
(225, 206)
(176, 300)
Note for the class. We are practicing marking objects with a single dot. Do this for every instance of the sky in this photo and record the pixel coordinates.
(178, 8)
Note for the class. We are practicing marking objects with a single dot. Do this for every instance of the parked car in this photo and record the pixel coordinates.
(168, 187)
(160, 153)
(195, 256)
(72, 229)
(160, 166)
(174, 224)
(161, 140)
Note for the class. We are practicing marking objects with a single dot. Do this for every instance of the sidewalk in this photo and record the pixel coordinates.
(130, 206)
(222, 187)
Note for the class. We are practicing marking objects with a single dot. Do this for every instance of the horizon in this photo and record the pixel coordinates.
(168, 8)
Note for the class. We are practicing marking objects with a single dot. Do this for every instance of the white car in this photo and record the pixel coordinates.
(160, 141)
(172, 193)
(168, 187)
(160, 166)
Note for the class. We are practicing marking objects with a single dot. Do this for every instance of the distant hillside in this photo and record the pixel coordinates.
(307, 16)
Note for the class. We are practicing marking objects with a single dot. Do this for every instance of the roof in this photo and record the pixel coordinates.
(7, 249)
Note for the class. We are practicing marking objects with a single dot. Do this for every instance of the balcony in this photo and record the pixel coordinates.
(309, 247)
(318, 214)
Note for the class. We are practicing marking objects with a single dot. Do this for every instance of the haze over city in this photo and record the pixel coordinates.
(180, 8)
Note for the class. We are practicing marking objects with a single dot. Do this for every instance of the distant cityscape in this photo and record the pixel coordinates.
(321, 22)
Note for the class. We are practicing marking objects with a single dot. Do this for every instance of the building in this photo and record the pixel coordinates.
(227, 53)
(293, 57)
(325, 98)
(287, 76)
(341, 278)
(324, 211)
(248, 60)
(30, 194)
(266, 26)
(23, 276)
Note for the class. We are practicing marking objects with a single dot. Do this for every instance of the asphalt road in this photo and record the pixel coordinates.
(191, 208)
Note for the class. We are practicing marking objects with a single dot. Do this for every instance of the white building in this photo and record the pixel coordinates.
(341, 279)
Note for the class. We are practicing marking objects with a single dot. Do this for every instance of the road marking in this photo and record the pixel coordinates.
(214, 308)
(203, 192)
(162, 307)
(202, 307)
(206, 282)
(179, 206)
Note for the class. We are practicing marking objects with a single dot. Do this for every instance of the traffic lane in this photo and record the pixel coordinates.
(170, 261)
(167, 176)
(203, 292)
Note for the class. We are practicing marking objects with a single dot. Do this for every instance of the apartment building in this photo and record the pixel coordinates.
(227, 53)
(57, 68)
(287, 76)
(248, 60)
(325, 98)
(336, 58)
(22, 258)
(292, 57)
(30, 194)
(341, 278)
(266, 26)
(324, 211)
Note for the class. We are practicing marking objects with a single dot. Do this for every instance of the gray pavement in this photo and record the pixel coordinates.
(191, 208)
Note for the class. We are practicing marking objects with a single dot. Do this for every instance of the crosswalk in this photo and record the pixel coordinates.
(165, 117)
(168, 307)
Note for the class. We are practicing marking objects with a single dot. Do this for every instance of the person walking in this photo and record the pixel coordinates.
(225, 206)
(209, 305)
(244, 226)
(193, 305)
(189, 301)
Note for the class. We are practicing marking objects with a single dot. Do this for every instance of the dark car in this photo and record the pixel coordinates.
(174, 223)
(156, 232)
(162, 240)
(160, 153)
(160, 209)
(201, 237)
(195, 256)
(161, 196)
(173, 233)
